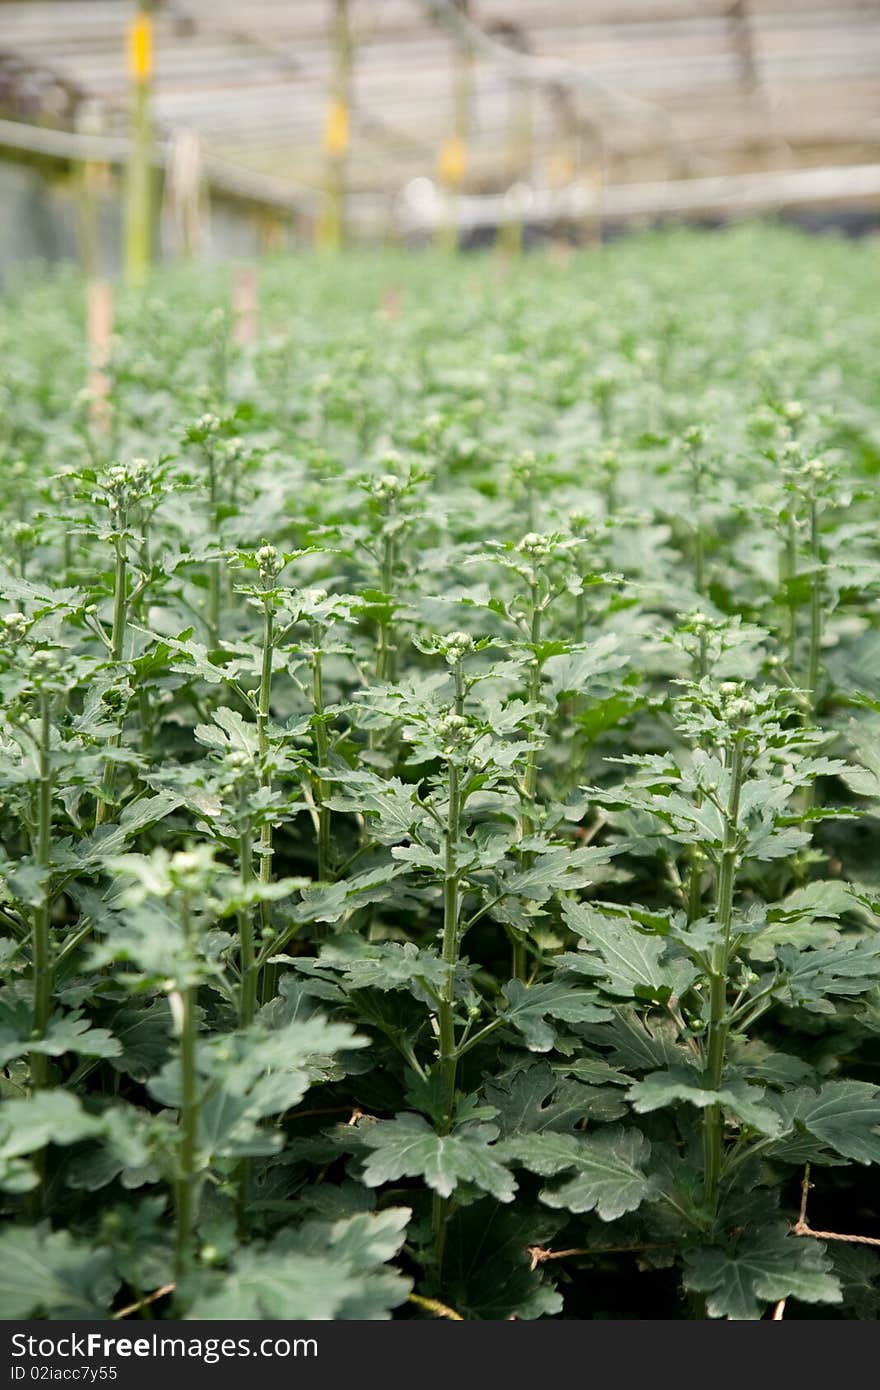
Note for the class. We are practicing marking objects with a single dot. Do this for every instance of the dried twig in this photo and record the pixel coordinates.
(802, 1227)
(433, 1306)
(539, 1255)
(143, 1302)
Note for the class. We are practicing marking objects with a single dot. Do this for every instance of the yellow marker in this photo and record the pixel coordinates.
(336, 128)
(140, 48)
(452, 161)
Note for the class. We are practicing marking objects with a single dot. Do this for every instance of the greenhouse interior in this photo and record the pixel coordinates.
(439, 675)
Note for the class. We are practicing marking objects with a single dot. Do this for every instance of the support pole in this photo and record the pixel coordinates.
(139, 185)
(452, 162)
(331, 227)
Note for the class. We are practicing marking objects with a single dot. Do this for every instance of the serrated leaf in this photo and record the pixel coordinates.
(609, 1169)
(46, 1117)
(627, 961)
(408, 1147)
(564, 998)
(52, 1275)
(845, 1115)
(385, 966)
(764, 1267)
(661, 1088)
(324, 1271)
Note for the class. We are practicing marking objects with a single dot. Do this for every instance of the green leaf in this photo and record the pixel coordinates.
(383, 966)
(65, 1033)
(408, 1147)
(572, 674)
(845, 1115)
(47, 1117)
(845, 969)
(486, 1265)
(764, 1267)
(111, 840)
(558, 870)
(323, 1271)
(529, 1006)
(627, 961)
(609, 1169)
(536, 1099)
(663, 1088)
(53, 1276)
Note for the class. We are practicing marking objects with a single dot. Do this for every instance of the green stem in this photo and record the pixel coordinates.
(246, 949)
(815, 648)
(529, 787)
(325, 872)
(699, 543)
(117, 649)
(215, 575)
(719, 1021)
(266, 834)
(790, 564)
(186, 1187)
(386, 651)
(42, 962)
(447, 1056)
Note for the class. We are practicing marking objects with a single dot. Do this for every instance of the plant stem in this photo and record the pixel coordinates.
(790, 574)
(186, 1188)
(247, 954)
(215, 578)
(325, 872)
(815, 647)
(120, 614)
(385, 650)
(529, 785)
(270, 973)
(447, 1057)
(42, 962)
(699, 542)
(718, 1018)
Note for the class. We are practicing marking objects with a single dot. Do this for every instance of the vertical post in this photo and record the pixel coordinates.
(89, 178)
(452, 161)
(100, 328)
(244, 305)
(331, 225)
(139, 188)
(520, 142)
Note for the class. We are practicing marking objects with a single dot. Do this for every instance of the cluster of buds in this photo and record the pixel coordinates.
(190, 870)
(537, 547)
(124, 483)
(45, 670)
(693, 438)
(454, 731)
(22, 533)
(207, 425)
(13, 628)
(386, 488)
(736, 707)
(269, 562)
(456, 646)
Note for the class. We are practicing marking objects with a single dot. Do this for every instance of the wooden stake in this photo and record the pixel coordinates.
(99, 310)
(452, 160)
(331, 225)
(245, 304)
(139, 185)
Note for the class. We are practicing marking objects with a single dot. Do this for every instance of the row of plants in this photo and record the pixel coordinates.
(439, 781)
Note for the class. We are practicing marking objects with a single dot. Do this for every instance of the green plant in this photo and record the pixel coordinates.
(439, 792)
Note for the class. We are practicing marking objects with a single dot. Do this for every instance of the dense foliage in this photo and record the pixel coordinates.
(439, 785)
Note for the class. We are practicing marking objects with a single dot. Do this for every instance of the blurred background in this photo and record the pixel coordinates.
(131, 131)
